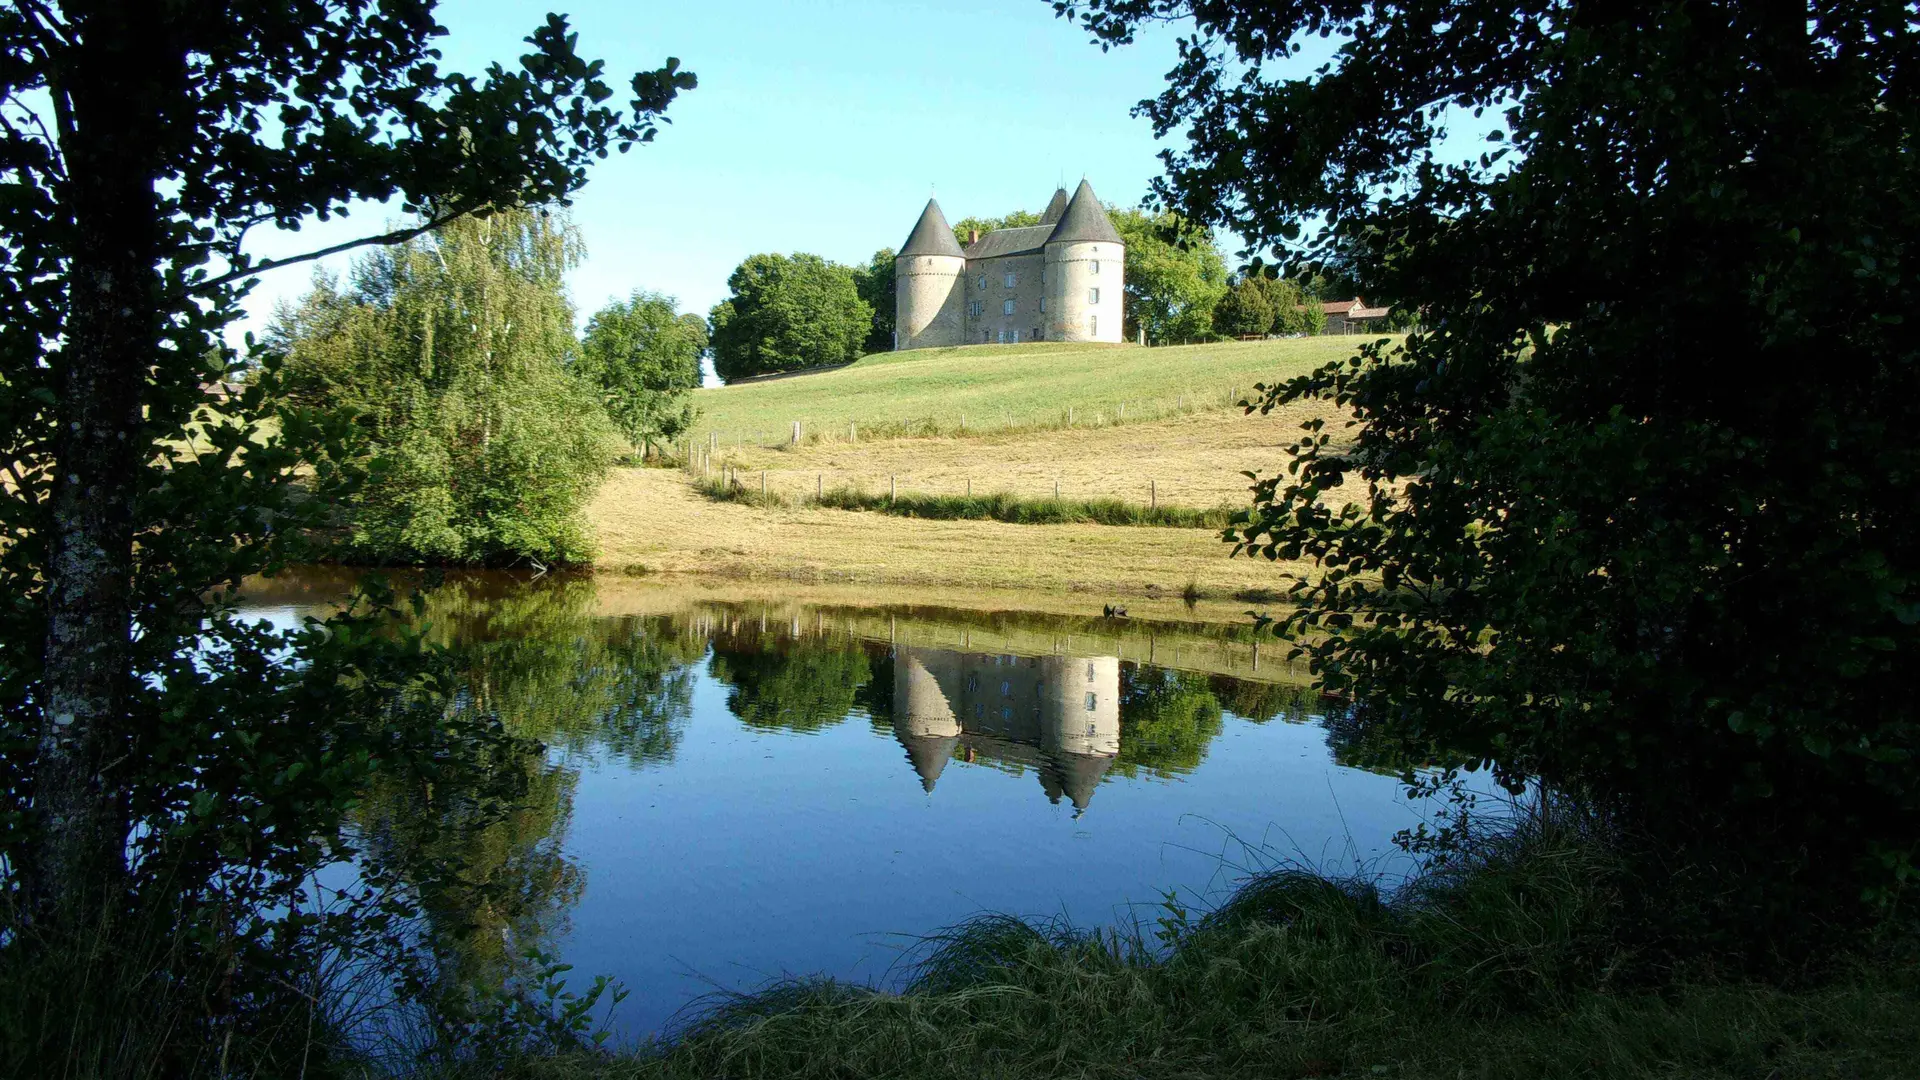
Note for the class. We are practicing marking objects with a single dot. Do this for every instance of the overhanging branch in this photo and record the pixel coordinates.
(398, 236)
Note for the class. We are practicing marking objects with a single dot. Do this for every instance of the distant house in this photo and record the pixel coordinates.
(1352, 316)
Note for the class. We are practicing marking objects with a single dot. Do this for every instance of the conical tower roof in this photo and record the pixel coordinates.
(1072, 775)
(1056, 206)
(932, 235)
(1085, 220)
(929, 756)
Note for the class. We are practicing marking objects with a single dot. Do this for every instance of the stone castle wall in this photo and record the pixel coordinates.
(986, 285)
(1074, 270)
(929, 301)
(941, 300)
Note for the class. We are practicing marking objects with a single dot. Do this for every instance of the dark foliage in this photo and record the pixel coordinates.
(1244, 310)
(1642, 498)
(788, 312)
(160, 760)
(874, 283)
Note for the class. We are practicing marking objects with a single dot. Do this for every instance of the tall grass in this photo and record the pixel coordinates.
(1000, 506)
(1510, 963)
(1019, 510)
(158, 994)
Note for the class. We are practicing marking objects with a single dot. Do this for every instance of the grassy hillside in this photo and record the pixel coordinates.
(994, 387)
(1179, 446)
(1189, 461)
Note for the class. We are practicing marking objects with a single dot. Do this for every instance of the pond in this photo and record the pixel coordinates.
(734, 788)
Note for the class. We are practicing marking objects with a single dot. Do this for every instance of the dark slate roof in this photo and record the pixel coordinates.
(928, 754)
(1021, 241)
(931, 235)
(1055, 207)
(1085, 220)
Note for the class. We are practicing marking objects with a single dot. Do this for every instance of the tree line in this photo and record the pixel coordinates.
(799, 311)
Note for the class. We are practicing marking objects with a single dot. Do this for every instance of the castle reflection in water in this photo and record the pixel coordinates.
(1057, 714)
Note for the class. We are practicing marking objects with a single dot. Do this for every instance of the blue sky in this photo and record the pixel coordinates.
(818, 125)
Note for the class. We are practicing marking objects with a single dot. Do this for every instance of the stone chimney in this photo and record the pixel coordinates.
(973, 236)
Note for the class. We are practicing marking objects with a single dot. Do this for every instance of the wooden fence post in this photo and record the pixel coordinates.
(1153, 495)
(819, 486)
(796, 433)
(1056, 489)
(850, 432)
(892, 489)
(763, 483)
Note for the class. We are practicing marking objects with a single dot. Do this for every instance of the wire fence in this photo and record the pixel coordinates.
(807, 431)
(1001, 493)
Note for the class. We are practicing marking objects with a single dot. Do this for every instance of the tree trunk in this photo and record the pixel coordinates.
(112, 80)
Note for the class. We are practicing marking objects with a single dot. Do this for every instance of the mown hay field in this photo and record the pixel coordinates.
(1192, 461)
(651, 521)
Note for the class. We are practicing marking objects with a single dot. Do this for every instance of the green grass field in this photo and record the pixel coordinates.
(988, 388)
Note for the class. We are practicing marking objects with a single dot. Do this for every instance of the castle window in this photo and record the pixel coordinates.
(1093, 296)
(1006, 688)
(1089, 671)
(1043, 275)
(1092, 699)
(1007, 308)
(1036, 333)
(1043, 305)
(1011, 278)
(1093, 326)
(983, 283)
(986, 336)
(1096, 266)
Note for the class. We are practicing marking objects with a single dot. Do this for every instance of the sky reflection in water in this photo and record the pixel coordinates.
(734, 792)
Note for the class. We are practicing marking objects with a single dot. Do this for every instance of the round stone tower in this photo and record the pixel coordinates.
(929, 302)
(1086, 283)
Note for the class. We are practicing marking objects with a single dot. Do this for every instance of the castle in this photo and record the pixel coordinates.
(1058, 714)
(1060, 280)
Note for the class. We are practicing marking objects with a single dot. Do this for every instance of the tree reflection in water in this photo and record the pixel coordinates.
(472, 856)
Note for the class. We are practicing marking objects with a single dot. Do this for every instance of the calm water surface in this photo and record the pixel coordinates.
(733, 791)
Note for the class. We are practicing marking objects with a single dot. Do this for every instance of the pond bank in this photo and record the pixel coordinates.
(652, 522)
(1514, 964)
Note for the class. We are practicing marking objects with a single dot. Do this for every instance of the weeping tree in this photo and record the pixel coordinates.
(1642, 511)
(142, 141)
(452, 352)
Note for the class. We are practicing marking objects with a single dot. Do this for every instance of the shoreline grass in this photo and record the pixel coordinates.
(999, 506)
(1518, 961)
